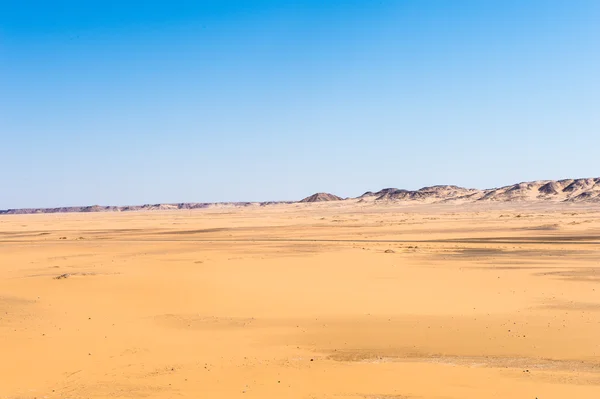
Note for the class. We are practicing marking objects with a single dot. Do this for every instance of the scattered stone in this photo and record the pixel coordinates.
(60, 277)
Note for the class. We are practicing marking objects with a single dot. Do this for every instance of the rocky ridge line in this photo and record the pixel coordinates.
(585, 190)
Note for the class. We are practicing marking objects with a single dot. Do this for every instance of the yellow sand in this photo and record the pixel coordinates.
(303, 301)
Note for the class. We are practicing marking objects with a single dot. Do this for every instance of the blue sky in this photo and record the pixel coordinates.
(123, 102)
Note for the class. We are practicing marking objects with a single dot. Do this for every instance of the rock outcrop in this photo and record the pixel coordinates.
(322, 197)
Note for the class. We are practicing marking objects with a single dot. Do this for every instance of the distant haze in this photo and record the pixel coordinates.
(113, 103)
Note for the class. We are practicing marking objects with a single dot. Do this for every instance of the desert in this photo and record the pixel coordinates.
(300, 199)
(352, 298)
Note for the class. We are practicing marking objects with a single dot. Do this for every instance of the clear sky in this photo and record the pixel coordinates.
(130, 102)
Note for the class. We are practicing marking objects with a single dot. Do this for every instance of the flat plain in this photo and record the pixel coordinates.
(325, 300)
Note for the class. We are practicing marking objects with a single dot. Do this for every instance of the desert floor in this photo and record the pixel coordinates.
(324, 300)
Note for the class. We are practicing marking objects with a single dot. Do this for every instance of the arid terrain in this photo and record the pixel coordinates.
(582, 190)
(341, 299)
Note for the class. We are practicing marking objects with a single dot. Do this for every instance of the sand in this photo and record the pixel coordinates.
(332, 300)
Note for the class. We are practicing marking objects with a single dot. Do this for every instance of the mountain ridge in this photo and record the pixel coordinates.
(581, 190)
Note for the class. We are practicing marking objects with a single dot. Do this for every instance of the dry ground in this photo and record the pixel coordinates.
(303, 301)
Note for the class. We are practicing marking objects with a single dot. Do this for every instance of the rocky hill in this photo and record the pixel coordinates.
(571, 190)
(425, 193)
(567, 190)
(322, 197)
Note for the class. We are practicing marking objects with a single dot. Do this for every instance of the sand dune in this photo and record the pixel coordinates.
(340, 299)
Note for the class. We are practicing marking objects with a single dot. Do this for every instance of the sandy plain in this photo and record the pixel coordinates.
(332, 300)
